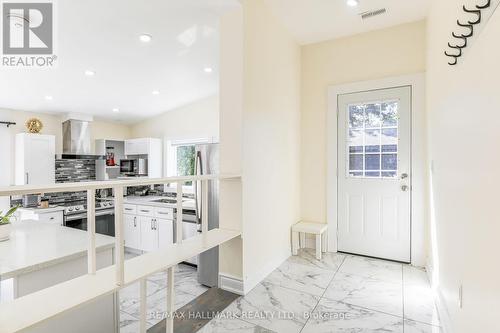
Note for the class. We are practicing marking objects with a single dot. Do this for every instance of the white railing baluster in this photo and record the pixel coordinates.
(204, 206)
(170, 300)
(143, 306)
(178, 218)
(91, 251)
(119, 244)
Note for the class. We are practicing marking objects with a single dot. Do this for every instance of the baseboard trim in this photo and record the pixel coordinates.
(231, 283)
(444, 316)
(252, 281)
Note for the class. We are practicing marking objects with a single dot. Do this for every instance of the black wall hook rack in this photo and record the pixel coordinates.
(465, 36)
(8, 123)
(484, 6)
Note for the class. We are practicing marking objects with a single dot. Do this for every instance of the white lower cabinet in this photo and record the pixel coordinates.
(132, 231)
(165, 232)
(149, 234)
(147, 229)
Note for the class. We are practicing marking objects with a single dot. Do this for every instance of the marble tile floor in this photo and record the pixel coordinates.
(187, 289)
(340, 293)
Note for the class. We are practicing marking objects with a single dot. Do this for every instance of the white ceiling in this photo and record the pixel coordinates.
(312, 21)
(103, 36)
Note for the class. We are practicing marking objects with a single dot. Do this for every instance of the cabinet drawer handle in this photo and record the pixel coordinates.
(51, 218)
(163, 213)
(128, 209)
(145, 211)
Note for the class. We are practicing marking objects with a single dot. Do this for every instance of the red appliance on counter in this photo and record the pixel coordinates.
(110, 156)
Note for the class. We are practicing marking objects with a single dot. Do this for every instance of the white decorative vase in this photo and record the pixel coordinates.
(4, 232)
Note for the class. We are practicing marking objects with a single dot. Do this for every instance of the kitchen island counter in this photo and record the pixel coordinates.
(34, 245)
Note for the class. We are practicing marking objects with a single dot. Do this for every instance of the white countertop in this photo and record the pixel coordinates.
(149, 201)
(34, 245)
(51, 209)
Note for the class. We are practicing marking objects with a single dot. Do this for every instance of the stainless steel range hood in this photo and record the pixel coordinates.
(76, 140)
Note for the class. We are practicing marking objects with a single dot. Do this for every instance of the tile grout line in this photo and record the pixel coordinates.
(321, 297)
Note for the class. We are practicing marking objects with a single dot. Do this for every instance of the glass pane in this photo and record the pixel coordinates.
(390, 136)
(389, 162)
(356, 116)
(373, 118)
(389, 174)
(355, 137)
(372, 137)
(356, 149)
(372, 162)
(372, 149)
(372, 174)
(390, 114)
(389, 140)
(185, 161)
(355, 162)
(389, 148)
(356, 174)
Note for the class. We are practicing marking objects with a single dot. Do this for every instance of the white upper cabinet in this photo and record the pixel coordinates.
(152, 148)
(137, 146)
(35, 159)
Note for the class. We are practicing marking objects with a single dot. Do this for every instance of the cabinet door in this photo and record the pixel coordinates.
(132, 231)
(130, 147)
(39, 159)
(165, 232)
(149, 234)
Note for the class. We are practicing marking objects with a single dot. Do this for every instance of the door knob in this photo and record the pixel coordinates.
(404, 188)
(404, 175)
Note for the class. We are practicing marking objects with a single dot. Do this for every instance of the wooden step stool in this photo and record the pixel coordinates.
(317, 229)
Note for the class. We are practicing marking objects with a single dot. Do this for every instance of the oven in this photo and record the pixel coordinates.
(104, 221)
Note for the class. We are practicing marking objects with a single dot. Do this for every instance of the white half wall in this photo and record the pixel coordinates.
(271, 141)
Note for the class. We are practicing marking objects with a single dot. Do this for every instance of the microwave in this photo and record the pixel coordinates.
(134, 167)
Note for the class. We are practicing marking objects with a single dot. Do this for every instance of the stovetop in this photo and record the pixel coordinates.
(75, 207)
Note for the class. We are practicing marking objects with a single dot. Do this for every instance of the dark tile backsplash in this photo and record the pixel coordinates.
(72, 171)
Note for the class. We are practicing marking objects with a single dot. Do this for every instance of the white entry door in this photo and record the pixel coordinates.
(374, 131)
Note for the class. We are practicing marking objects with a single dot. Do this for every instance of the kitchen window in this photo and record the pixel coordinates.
(180, 159)
(186, 158)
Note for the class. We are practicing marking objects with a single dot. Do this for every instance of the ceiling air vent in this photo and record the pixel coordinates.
(373, 13)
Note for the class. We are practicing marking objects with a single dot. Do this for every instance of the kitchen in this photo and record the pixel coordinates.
(131, 131)
(149, 212)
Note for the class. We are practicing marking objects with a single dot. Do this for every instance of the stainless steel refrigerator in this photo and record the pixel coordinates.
(207, 162)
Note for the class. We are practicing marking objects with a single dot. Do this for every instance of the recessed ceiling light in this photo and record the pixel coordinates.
(49, 98)
(145, 38)
(352, 3)
(88, 72)
(155, 92)
(116, 110)
(208, 70)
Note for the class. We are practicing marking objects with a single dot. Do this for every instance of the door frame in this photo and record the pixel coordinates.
(418, 158)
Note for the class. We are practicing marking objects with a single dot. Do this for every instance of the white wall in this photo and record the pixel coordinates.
(199, 119)
(379, 54)
(271, 141)
(464, 132)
